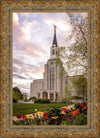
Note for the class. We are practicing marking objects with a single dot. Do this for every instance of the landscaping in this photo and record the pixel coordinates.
(29, 108)
(77, 115)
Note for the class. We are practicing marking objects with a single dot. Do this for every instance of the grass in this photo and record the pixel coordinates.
(28, 108)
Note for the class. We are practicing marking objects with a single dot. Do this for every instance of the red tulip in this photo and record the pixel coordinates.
(45, 113)
(82, 105)
(46, 117)
(33, 114)
(19, 116)
(24, 116)
(72, 114)
(77, 110)
(64, 109)
(45, 105)
(85, 106)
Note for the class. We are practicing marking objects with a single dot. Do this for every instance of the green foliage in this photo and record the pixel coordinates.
(67, 95)
(24, 108)
(80, 119)
(25, 97)
(82, 109)
(25, 122)
(14, 100)
(79, 83)
(17, 95)
(66, 122)
(54, 112)
(78, 105)
(41, 100)
(76, 53)
(32, 98)
(76, 97)
(54, 116)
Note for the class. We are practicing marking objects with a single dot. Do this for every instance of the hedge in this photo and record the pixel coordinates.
(41, 101)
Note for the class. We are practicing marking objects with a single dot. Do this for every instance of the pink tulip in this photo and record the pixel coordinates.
(45, 105)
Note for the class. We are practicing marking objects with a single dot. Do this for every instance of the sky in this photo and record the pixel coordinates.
(32, 38)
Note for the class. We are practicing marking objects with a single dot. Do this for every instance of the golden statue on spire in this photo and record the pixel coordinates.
(54, 27)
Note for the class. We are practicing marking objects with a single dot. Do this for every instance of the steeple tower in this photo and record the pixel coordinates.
(54, 38)
(54, 46)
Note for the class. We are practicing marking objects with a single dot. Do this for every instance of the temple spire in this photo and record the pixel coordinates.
(54, 39)
(54, 28)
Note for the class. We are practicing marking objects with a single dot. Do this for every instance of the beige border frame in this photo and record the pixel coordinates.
(3, 59)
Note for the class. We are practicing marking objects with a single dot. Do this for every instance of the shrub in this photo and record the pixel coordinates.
(32, 98)
(14, 100)
(67, 122)
(76, 97)
(41, 101)
(45, 101)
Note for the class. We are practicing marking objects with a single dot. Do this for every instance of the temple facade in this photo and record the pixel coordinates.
(54, 81)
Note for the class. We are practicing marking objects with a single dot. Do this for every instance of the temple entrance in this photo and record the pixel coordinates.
(38, 95)
(45, 95)
(51, 96)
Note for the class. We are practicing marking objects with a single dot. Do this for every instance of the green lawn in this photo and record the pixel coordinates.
(27, 108)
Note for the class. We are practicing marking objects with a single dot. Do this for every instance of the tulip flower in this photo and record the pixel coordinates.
(45, 105)
(82, 105)
(46, 117)
(45, 113)
(64, 109)
(19, 116)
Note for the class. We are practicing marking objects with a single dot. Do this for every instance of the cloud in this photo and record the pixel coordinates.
(18, 76)
(60, 21)
(28, 71)
(27, 28)
(22, 36)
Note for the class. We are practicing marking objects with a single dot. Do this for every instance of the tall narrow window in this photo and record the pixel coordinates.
(53, 52)
(52, 78)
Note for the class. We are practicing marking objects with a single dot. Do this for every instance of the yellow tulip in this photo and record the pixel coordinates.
(28, 117)
(63, 113)
(54, 117)
(39, 113)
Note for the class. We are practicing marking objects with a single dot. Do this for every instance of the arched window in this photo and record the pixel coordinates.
(51, 96)
(45, 95)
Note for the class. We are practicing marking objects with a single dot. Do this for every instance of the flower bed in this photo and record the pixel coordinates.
(56, 116)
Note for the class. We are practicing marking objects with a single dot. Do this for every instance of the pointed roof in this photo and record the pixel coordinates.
(54, 38)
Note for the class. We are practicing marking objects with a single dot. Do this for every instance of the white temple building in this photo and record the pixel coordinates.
(53, 84)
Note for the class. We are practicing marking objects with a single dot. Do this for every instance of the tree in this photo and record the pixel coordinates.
(17, 94)
(67, 95)
(80, 84)
(76, 54)
(25, 97)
